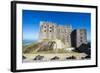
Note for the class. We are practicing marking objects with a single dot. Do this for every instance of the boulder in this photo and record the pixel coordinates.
(55, 58)
(38, 57)
(71, 57)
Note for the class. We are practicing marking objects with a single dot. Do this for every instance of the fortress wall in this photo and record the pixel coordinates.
(52, 31)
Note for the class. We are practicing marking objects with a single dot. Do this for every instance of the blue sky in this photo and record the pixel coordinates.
(31, 20)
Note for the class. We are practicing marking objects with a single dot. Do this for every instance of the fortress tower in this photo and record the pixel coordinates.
(78, 37)
(52, 31)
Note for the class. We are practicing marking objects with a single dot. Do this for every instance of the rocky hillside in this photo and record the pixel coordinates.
(44, 46)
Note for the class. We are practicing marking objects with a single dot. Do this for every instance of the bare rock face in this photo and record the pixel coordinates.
(45, 46)
(31, 47)
(52, 45)
(40, 46)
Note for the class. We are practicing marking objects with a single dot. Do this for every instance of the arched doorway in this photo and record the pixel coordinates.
(52, 45)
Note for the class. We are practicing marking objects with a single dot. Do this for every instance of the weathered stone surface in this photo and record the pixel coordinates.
(51, 31)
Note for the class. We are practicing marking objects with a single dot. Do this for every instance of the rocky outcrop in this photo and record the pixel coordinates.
(42, 46)
(48, 45)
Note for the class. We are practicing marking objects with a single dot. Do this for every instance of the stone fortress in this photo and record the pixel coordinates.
(64, 36)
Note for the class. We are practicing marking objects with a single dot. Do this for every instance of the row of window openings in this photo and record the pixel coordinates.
(52, 30)
(58, 31)
(49, 31)
(53, 27)
(49, 27)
